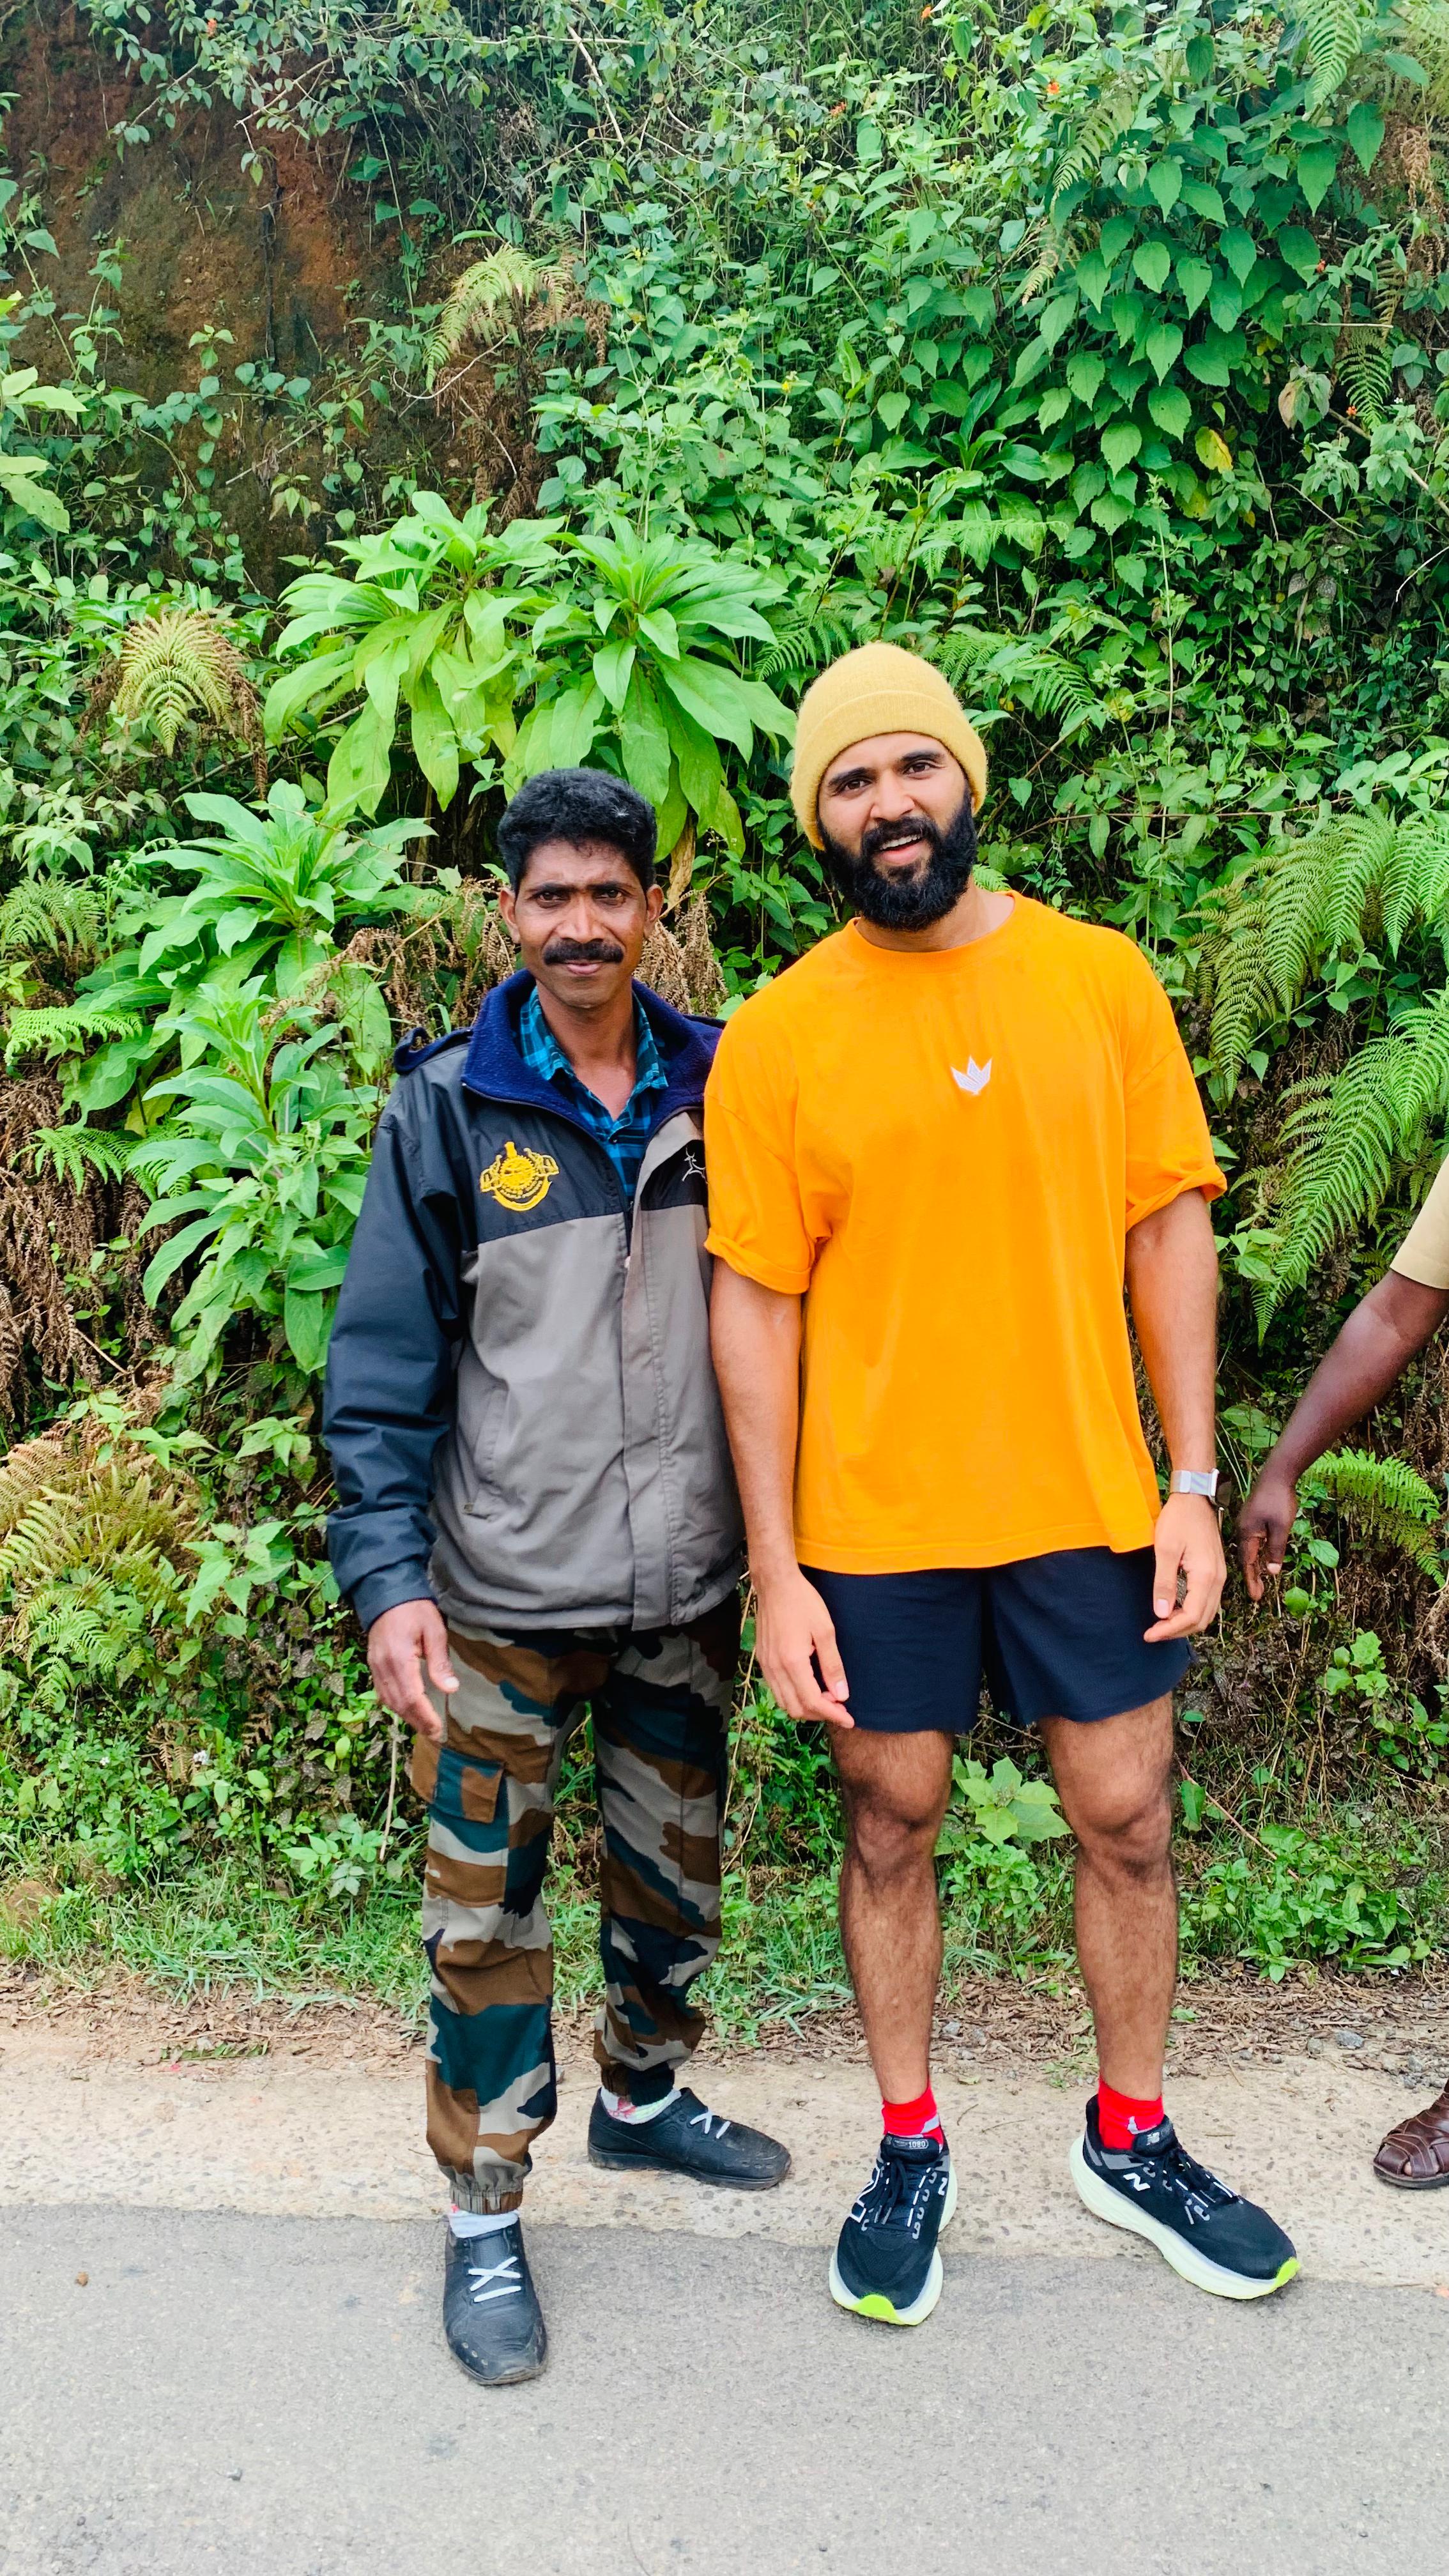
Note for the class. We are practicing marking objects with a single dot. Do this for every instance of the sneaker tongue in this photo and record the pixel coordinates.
(912, 2151)
(1153, 2142)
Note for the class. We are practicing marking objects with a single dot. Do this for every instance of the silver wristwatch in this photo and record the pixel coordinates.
(1194, 1480)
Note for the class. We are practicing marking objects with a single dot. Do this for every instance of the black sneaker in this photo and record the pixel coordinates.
(1215, 2240)
(491, 2314)
(687, 2139)
(886, 2264)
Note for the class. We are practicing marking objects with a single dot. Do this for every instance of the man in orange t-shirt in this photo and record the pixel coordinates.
(937, 1146)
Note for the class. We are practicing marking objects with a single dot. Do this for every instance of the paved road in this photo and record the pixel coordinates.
(269, 2394)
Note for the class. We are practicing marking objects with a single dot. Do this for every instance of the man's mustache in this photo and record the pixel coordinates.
(580, 952)
(879, 837)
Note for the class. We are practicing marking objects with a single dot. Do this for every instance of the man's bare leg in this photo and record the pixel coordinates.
(895, 1789)
(1114, 1781)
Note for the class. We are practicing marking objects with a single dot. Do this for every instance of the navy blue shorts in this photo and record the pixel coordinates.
(1054, 1636)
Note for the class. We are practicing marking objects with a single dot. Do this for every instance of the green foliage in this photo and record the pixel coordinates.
(999, 1806)
(431, 620)
(263, 1153)
(1392, 1505)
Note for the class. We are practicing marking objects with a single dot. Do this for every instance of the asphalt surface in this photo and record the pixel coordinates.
(273, 2394)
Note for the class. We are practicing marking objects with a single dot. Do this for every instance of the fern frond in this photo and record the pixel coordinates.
(1333, 34)
(1050, 682)
(50, 915)
(1363, 369)
(1109, 115)
(1420, 30)
(180, 667)
(74, 1153)
(506, 276)
(1310, 899)
(805, 644)
(1345, 1143)
(1388, 1500)
(66, 1030)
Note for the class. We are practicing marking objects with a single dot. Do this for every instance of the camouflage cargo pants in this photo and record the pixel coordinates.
(659, 1702)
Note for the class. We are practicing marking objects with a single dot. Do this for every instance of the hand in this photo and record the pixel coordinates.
(792, 1624)
(1187, 1541)
(404, 1639)
(1264, 1524)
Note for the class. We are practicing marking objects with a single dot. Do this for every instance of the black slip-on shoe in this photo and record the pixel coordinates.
(885, 2264)
(491, 2314)
(1215, 2239)
(688, 2139)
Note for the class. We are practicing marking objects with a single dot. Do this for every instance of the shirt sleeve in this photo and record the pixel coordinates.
(1424, 1252)
(757, 1223)
(1169, 1149)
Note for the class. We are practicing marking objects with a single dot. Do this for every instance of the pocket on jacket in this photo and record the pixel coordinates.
(453, 1786)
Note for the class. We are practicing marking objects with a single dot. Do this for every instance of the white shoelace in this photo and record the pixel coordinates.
(506, 2272)
(712, 2125)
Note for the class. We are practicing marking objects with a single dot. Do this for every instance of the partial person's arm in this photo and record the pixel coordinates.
(1172, 1281)
(1375, 1346)
(388, 1402)
(755, 1333)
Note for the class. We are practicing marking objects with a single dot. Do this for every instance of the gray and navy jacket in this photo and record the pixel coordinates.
(520, 1408)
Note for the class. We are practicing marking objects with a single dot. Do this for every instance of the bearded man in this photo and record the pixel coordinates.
(937, 1146)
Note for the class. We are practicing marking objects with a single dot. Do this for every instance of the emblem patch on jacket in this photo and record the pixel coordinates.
(517, 1179)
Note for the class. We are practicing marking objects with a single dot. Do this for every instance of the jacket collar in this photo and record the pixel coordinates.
(494, 1065)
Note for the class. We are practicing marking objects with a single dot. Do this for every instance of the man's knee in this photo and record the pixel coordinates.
(893, 1825)
(1128, 1833)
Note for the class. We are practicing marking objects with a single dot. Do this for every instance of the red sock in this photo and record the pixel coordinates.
(1123, 2120)
(918, 2119)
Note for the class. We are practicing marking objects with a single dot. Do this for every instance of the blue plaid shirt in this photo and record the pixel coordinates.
(625, 1137)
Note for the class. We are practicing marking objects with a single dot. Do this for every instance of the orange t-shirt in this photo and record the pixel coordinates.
(944, 1152)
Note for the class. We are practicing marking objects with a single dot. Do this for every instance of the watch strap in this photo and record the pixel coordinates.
(1194, 1480)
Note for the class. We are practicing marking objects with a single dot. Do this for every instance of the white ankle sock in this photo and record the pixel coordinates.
(619, 2106)
(473, 2222)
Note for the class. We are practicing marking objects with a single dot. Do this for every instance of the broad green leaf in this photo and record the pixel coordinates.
(322, 679)
(1364, 126)
(868, 146)
(1195, 278)
(1109, 513)
(1114, 237)
(1163, 348)
(1204, 200)
(171, 1255)
(1153, 263)
(318, 1270)
(725, 820)
(1031, 361)
(1170, 409)
(1315, 173)
(1058, 316)
(576, 717)
(1055, 404)
(1240, 251)
(1207, 360)
(713, 696)
(644, 741)
(697, 758)
(1093, 277)
(1296, 245)
(435, 744)
(1084, 375)
(1129, 316)
(1120, 444)
(658, 628)
(1225, 303)
(612, 666)
(307, 1322)
(361, 765)
(1164, 178)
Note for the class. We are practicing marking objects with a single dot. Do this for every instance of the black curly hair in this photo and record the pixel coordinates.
(578, 805)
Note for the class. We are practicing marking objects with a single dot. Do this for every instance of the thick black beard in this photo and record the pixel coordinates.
(908, 903)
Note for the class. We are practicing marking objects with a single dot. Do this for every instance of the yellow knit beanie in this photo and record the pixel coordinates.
(877, 689)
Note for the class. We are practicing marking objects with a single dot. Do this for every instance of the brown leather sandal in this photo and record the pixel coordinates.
(1415, 2155)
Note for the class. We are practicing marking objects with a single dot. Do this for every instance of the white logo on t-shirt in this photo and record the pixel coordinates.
(976, 1076)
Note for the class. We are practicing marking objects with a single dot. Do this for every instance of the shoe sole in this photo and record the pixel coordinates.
(506, 2379)
(875, 2304)
(1412, 2182)
(1104, 2202)
(686, 2173)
